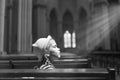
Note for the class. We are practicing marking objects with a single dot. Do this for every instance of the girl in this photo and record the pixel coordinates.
(48, 49)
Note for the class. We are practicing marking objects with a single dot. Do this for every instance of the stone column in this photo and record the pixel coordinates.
(107, 28)
(76, 50)
(24, 26)
(2, 17)
(60, 31)
(41, 18)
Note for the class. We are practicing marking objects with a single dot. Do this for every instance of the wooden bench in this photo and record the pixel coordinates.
(24, 64)
(18, 57)
(106, 59)
(57, 65)
(58, 74)
(54, 78)
(32, 56)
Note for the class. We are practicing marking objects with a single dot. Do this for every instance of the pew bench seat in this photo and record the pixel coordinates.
(58, 74)
(55, 78)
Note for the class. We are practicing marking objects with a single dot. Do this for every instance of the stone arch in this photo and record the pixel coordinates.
(67, 25)
(53, 24)
(67, 21)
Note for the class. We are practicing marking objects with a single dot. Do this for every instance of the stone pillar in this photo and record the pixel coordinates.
(24, 26)
(2, 17)
(41, 18)
(60, 41)
(76, 50)
(106, 29)
(81, 35)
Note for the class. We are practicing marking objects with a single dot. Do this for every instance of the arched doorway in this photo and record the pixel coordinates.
(68, 30)
(53, 23)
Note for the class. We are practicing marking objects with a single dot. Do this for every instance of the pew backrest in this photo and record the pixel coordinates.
(33, 57)
(25, 64)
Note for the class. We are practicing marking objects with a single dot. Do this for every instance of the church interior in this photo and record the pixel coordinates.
(86, 31)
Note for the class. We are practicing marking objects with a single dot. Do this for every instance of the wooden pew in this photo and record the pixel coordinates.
(65, 63)
(58, 74)
(54, 78)
(72, 63)
(106, 59)
(30, 65)
(72, 60)
(5, 64)
(18, 57)
(32, 56)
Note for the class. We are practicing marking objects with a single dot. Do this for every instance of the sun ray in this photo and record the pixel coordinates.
(100, 26)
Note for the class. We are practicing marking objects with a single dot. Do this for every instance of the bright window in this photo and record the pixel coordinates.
(73, 40)
(69, 39)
